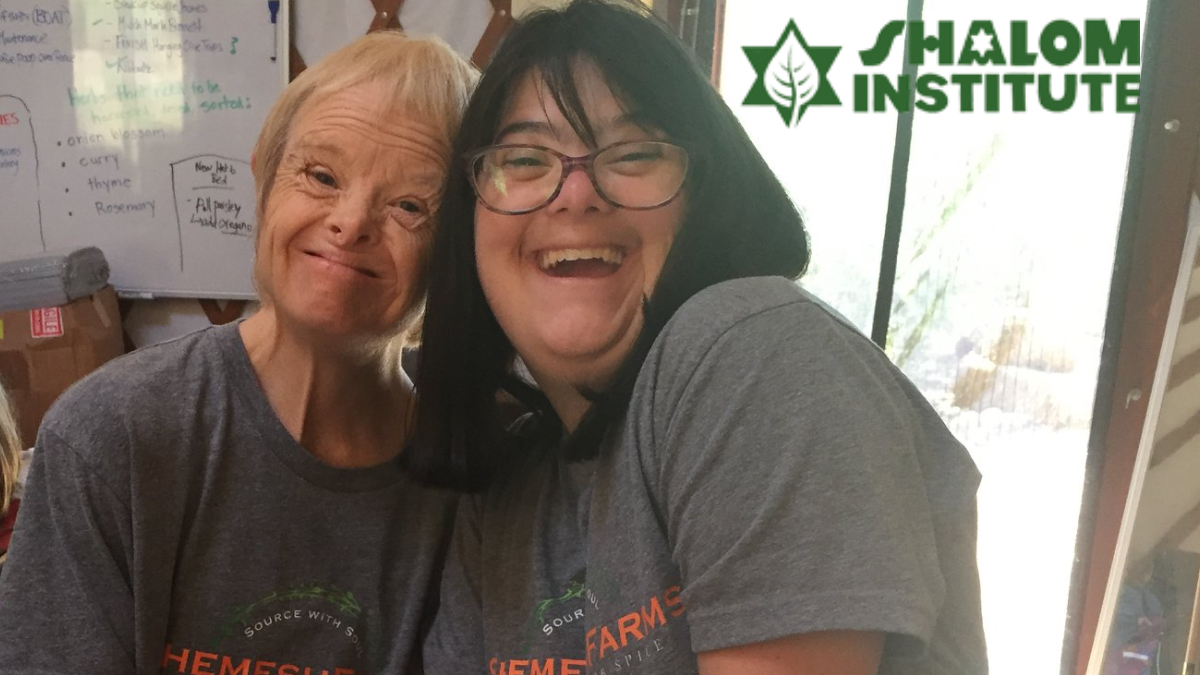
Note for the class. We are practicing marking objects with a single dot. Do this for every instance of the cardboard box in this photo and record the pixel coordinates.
(44, 351)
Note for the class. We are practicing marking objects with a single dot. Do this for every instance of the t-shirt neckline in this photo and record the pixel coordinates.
(276, 437)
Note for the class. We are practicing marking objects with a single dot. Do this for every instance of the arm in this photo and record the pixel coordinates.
(66, 598)
(790, 464)
(825, 653)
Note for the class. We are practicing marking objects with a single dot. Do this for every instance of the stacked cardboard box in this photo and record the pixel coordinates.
(45, 350)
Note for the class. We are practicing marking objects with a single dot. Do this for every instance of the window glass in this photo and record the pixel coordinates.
(1003, 272)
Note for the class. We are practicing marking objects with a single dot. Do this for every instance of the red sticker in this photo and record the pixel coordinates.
(46, 322)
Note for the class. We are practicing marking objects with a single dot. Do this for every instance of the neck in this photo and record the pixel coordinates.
(333, 400)
(569, 404)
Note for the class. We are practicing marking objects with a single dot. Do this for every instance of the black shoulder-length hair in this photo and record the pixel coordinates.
(738, 222)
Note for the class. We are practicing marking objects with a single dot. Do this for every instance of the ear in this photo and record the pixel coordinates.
(254, 164)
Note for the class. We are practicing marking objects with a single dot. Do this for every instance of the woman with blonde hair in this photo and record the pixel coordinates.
(10, 467)
(232, 501)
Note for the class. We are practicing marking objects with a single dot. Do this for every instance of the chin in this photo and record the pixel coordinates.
(339, 313)
(584, 346)
(587, 356)
(332, 322)
(585, 329)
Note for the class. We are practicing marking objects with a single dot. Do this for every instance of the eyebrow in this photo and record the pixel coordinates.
(423, 180)
(427, 181)
(530, 126)
(306, 146)
(539, 127)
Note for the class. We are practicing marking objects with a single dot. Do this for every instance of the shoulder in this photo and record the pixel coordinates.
(137, 382)
(753, 301)
(722, 306)
(137, 396)
(736, 323)
(764, 351)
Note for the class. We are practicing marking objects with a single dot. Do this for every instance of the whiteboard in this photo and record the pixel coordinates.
(128, 125)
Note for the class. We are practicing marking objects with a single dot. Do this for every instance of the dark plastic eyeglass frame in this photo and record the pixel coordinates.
(586, 162)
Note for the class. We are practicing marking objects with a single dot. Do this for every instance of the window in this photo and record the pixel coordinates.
(1001, 282)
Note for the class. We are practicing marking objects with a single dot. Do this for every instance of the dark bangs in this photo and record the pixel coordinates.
(575, 36)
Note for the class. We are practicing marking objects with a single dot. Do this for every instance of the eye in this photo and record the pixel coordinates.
(524, 160)
(321, 175)
(639, 153)
(507, 165)
(640, 159)
(637, 158)
(410, 213)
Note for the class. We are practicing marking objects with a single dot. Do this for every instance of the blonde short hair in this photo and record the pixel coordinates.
(10, 450)
(427, 80)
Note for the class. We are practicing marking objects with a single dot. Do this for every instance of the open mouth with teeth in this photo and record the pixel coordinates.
(581, 262)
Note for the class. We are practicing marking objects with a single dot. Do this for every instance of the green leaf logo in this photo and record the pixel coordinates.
(791, 75)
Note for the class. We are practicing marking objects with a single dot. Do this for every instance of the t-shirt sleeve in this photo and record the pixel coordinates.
(66, 604)
(789, 460)
(454, 645)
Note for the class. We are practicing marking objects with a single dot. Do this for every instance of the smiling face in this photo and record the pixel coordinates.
(345, 229)
(566, 282)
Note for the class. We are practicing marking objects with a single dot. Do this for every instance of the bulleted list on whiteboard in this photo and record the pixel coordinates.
(128, 125)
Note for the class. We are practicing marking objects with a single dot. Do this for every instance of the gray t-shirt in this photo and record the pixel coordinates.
(774, 475)
(172, 525)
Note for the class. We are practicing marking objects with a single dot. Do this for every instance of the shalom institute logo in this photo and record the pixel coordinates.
(1092, 64)
(791, 75)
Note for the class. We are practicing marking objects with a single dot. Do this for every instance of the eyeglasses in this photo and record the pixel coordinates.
(518, 178)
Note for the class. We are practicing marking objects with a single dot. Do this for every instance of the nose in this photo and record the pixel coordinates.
(353, 221)
(578, 193)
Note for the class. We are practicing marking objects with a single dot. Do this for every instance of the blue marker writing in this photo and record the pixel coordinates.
(273, 7)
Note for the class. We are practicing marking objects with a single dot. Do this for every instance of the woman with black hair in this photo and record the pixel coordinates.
(716, 474)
